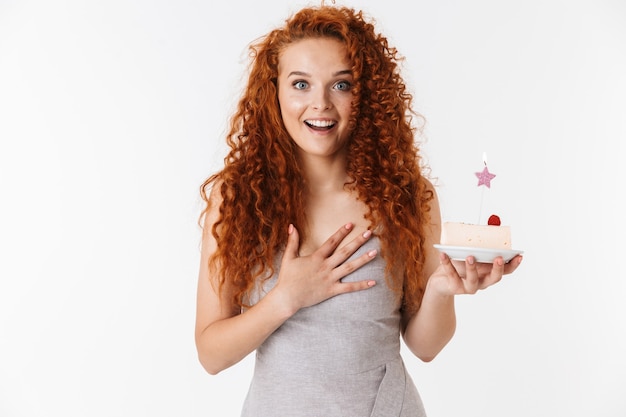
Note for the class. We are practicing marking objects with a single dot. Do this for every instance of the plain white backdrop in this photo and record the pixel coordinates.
(112, 113)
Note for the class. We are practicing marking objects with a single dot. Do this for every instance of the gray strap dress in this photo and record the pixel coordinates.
(339, 358)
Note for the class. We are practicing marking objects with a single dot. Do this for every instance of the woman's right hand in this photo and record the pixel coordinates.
(304, 281)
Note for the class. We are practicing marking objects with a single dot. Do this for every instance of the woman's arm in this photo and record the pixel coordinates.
(431, 328)
(223, 335)
(428, 331)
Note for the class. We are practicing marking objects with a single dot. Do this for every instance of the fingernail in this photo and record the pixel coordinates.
(372, 253)
(348, 226)
(470, 260)
(371, 283)
(367, 233)
(290, 231)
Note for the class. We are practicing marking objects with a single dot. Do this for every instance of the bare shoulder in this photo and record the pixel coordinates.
(431, 193)
(213, 197)
(433, 229)
(209, 219)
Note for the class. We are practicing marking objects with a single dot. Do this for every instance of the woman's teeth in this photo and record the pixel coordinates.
(320, 124)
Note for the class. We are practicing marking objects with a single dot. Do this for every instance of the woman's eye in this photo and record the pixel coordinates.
(300, 85)
(343, 86)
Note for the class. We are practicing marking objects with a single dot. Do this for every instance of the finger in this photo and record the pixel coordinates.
(448, 266)
(343, 253)
(471, 279)
(334, 240)
(495, 275)
(348, 267)
(293, 243)
(345, 287)
(513, 264)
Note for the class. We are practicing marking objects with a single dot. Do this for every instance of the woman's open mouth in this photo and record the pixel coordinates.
(320, 124)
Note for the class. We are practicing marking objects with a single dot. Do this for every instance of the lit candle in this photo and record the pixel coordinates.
(484, 178)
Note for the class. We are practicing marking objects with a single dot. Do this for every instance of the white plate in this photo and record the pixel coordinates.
(481, 254)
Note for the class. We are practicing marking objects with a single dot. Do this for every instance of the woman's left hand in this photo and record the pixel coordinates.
(469, 276)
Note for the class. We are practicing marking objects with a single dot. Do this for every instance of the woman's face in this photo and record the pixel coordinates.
(314, 83)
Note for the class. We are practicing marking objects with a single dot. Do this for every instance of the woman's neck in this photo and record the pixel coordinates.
(325, 175)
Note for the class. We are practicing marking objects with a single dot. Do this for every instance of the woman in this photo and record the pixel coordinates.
(319, 230)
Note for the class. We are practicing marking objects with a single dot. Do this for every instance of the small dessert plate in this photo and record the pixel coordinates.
(483, 255)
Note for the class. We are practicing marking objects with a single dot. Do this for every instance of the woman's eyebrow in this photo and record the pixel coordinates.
(343, 72)
(299, 74)
(306, 74)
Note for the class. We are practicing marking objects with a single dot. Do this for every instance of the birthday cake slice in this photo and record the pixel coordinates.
(490, 236)
(484, 242)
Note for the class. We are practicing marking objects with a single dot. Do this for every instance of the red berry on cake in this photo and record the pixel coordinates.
(493, 220)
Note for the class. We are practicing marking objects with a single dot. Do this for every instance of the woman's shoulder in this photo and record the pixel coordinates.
(212, 195)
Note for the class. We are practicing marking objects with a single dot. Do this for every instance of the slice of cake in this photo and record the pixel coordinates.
(491, 236)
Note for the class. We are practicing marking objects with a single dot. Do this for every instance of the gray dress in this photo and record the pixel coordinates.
(339, 358)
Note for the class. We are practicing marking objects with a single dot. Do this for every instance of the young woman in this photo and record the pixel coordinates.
(319, 230)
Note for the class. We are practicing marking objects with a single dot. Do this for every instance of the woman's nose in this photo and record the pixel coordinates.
(321, 101)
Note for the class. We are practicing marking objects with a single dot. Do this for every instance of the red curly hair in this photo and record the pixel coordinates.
(261, 183)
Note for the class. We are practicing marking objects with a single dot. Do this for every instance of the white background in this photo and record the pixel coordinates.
(112, 113)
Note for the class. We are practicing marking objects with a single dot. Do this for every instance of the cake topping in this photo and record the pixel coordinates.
(485, 177)
(494, 220)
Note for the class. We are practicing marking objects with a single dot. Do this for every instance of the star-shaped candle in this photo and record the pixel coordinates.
(484, 178)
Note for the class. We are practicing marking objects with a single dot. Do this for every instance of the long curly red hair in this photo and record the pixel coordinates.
(262, 186)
